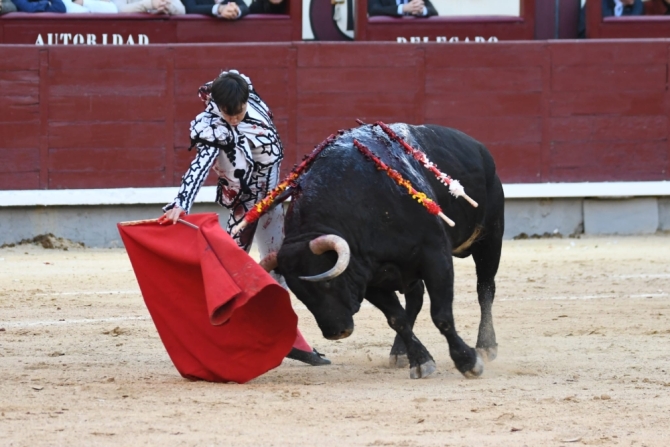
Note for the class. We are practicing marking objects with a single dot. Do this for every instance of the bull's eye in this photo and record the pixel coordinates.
(326, 284)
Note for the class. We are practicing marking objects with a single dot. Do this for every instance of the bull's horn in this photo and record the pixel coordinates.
(323, 244)
(269, 262)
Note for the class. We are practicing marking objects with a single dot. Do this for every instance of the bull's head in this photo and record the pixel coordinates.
(313, 272)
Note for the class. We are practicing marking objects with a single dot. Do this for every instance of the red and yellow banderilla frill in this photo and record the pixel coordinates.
(262, 207)
(422, 198)
(455, 187)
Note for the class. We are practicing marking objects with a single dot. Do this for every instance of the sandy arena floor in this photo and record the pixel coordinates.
(584, 359)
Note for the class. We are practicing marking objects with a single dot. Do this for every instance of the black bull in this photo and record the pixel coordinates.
(394, 243)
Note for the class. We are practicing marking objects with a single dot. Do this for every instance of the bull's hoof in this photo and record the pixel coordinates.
(476, 370)
(422, 371)
(398, 361)
(488, 354)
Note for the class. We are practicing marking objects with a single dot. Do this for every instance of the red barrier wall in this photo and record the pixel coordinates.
(97, 117)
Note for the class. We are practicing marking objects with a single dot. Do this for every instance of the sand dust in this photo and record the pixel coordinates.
(584, 359)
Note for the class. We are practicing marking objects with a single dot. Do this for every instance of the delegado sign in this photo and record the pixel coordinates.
(445, 39)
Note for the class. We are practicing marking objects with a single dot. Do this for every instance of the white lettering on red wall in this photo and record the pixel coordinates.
(91, 39)
(444, 39)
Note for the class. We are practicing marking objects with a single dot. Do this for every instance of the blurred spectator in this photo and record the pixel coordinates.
(620, 8)
(90, 6)
(7, 6)
(268, 7)
(398, 8)
(659, 7)
(615, 8)
(226, 9)
(169, 7)
(39, 5)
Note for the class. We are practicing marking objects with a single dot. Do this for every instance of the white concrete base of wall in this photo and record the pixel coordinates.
(664, 214)
(625, 216)
(545, 216)
(90, 216)
(95, 226)
(569, 217)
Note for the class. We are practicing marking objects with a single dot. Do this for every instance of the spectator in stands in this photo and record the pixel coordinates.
(169, 7)
(39, 5)
(399, 8)
(90, 6)
(223, 9)
(268, 7)
(620, 8)
(659, 7)
(7, 6)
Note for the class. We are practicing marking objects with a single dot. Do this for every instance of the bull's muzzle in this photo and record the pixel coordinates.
(339, 336)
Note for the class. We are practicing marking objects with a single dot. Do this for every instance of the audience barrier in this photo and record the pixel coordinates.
(118, 116)
(446, 28)
(141, 29)
(646, 26)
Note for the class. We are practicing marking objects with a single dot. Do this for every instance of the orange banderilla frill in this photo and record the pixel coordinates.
(422, 198)
(264, 205)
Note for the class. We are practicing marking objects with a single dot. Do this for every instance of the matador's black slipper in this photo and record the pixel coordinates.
(314, 358)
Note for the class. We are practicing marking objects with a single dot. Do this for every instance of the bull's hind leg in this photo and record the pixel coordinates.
(421, 363)
(486, 254)
(414, 301)
(438, 275)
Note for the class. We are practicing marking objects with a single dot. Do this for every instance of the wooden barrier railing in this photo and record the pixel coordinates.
(118, 116)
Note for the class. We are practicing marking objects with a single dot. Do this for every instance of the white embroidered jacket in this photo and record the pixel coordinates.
(228, 150)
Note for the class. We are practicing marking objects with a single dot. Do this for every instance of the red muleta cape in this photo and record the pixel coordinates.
(221, 317)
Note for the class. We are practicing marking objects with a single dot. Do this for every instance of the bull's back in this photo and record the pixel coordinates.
(468, 161)
(457, 153)
(343, 193)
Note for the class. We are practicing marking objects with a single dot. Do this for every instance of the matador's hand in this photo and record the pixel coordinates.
(172, 215)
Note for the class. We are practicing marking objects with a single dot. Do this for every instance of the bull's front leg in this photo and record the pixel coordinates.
(438, 274)
(421, 363)
(413, 303)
